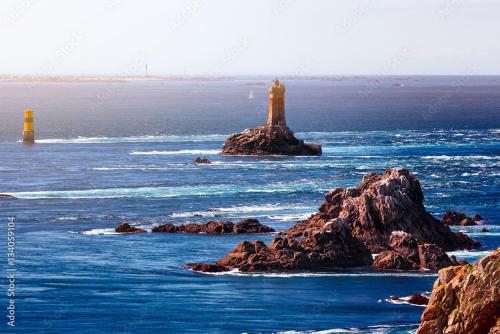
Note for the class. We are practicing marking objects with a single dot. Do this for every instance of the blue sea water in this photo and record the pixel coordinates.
(109, 153)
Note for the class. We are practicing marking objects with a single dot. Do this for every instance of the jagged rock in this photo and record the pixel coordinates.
(453, 218)
(407, 254)
(126, 228)
(201, 160)
(220, 227)
(465, 299)
(331, 248)
(484, 230)
(268, 140)
(207, 268)
(379, 205)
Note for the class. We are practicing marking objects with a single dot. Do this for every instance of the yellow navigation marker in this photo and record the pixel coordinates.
(29, 127)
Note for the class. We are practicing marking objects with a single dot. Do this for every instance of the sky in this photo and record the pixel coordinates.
(258, 37)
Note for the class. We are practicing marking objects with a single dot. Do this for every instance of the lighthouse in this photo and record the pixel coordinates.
(276, 105)
(29, 127)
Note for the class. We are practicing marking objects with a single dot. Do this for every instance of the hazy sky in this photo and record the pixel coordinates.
(214, 37)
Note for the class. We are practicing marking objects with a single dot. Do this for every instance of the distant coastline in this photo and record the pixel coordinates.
(103, 79)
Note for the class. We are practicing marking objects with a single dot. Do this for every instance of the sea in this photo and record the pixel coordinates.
(114, 152)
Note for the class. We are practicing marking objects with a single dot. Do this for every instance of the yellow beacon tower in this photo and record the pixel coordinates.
(29, 127)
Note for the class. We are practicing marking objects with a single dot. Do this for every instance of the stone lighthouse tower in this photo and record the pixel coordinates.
(276, 105)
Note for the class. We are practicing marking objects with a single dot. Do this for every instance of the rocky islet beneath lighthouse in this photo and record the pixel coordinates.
(273, 138)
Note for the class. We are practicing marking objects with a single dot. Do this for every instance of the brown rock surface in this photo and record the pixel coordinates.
(465, 299)
(379, 205)
(333, 247)
(219, 227)
(126, 228)
(268, 140)
(453, 218)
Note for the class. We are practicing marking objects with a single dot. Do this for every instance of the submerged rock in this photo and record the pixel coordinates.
(333, 247)
(126, 228)
(201, 160)
(380, 205)
(217, 227)
(465, 299)
(268, 140)
(453, 218)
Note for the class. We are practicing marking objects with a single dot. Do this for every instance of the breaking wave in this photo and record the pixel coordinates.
(176, 152)
(134, 139)
(173, 191)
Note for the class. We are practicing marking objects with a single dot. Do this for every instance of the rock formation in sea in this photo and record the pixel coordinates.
(332, 247)
(453, 218)
(380, 205)
(126, 228)
(384, 214)
(465, 299)
(405, 253)
(273, 138)
(217, 227)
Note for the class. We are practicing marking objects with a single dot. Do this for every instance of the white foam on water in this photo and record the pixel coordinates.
(236, 272)
(469, 254)
(291, 217)
(402, 300)
(68, 218)
(174, 191)
(100, 231)
(176, 152)
(133, 139)
(376, 329)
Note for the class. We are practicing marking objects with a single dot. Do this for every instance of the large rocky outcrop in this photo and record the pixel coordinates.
(379, 205)
(217, 227)
(268, 140)
(405, 253)
(332, 247)
(465, 299)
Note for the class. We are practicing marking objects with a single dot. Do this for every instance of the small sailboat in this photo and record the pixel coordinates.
(251, 97)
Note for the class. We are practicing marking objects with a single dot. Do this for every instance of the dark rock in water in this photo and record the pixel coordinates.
(331, 248)
(201, 160)
(380, 205)
(407, 254)
(7, 196)
(126, 228)
(217, 227)
(268, 140)
(251, 226)
(416, 299)
(485, 230)
(207, 268)
(453, 218)
(167, 228)
(465, 299)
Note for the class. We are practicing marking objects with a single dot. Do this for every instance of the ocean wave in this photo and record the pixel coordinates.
(236, 272)
(403, 300)
(376, 329)
(173, 191)
(465, 254)
(255, 210)
(134, 139)
(461, 157)
(176, 152)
